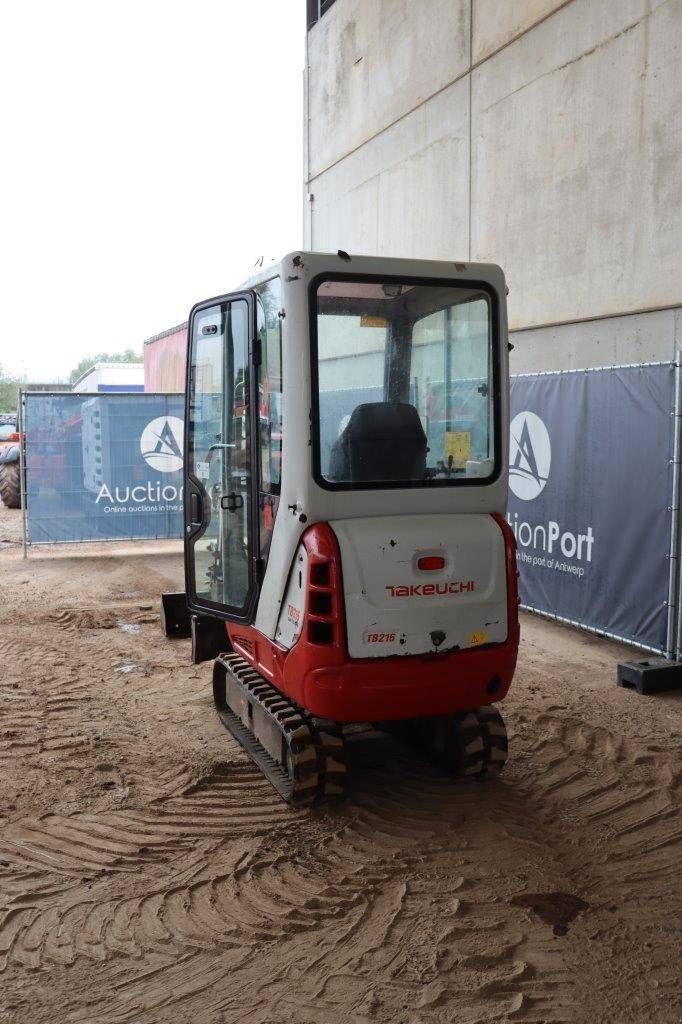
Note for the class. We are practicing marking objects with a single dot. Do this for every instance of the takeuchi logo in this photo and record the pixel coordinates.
(161, 444)
(530, 455)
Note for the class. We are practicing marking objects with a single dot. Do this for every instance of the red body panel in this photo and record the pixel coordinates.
(322, 678)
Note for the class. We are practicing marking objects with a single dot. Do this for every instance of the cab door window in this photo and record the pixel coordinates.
(270, 425)
(218, 471)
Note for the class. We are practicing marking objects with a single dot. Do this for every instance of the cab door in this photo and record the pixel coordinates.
(220, 466)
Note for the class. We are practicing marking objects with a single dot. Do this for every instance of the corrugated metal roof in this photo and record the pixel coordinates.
(165, 334)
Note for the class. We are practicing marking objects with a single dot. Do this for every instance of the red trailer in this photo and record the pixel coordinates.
(165, 360)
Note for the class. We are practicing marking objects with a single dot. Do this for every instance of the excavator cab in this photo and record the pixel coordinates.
(347, 556)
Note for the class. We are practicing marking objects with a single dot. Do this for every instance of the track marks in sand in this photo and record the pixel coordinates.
(47, 719)
(200, 897)
(621, 804)
(55, 709)
(103, 871)
(386, 909)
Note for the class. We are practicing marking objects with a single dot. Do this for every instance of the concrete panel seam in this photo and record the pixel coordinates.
(443, 88)
(568, 63)
(520, 35)
(594, 319)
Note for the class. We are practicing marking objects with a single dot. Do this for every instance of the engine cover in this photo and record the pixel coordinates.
(422, 584)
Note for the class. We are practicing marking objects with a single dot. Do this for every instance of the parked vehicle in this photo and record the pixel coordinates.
(10, 482)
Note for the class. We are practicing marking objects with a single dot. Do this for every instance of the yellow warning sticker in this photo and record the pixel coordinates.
(373, 321)
(475, 639)
(458, 445)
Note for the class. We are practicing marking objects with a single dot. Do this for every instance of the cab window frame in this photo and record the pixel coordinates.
(495, 369)
(267, 486)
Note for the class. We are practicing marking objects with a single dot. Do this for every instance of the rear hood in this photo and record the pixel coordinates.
(394, 607)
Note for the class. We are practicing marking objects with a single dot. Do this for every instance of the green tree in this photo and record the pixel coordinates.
(9, 391)
(129, 356)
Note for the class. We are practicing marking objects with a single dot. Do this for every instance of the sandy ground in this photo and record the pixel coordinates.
(148, 874)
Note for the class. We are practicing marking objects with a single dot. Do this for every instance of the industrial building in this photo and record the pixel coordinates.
(110, 378)
(543, 135)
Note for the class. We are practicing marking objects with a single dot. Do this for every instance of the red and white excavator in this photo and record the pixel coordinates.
(347, 556)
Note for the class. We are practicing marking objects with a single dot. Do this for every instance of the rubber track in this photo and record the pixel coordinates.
(315, 746)
(483, 737)
(465, 744)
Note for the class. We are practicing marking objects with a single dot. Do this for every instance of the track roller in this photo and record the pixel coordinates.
(300, 755)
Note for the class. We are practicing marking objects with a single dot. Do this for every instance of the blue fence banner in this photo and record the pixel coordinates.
(590, 496)
(103, 467)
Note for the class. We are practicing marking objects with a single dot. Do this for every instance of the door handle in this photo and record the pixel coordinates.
(220, 447)
(195, 509)
(231, 502)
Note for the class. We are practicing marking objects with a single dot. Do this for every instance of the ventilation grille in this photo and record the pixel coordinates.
(321, 612)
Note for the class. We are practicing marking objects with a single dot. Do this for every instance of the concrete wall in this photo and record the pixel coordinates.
(540, 134)
(611, 341)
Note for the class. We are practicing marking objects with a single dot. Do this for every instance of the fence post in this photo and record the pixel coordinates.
(674, 593)
(22, 473)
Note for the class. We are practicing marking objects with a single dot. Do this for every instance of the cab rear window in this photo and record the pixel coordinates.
(405, 386)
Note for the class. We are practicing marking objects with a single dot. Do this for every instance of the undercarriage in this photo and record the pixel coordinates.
(304, 757)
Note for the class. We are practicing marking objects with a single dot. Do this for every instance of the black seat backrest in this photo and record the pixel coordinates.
(381, 441)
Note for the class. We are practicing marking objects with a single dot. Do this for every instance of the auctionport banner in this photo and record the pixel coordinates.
(590, 495)
(103, 467)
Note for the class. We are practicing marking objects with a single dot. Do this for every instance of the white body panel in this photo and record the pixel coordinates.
(393, 607)
(301, 496)
(290, 620)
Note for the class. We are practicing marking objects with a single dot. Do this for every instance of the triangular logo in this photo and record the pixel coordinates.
(525, 461)
(530, 455)
(167, 443)
(161, 444)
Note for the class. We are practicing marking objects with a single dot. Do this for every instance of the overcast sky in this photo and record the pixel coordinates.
(151, 154)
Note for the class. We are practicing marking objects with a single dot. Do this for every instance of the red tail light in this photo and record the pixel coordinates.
(430, 563)
(14, 436)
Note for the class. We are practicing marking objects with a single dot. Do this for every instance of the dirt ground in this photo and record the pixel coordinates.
(148, 874)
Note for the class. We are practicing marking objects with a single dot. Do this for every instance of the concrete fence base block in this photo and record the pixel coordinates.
(655, 675)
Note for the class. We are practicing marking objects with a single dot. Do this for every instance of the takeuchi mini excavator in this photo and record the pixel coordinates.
(347, 556)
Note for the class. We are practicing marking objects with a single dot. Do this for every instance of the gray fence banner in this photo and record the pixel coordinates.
(591, 480)
(103, 467)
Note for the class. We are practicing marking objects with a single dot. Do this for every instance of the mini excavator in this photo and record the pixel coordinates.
(347, 555)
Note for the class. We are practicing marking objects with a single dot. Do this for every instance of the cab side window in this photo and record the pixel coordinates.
(269, 327)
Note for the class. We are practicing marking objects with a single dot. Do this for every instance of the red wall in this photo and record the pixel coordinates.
(165, 361)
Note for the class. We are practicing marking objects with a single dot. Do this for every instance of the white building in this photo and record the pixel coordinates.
(111, 377)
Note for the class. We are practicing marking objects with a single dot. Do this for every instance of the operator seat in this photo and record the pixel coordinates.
(381, 441)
